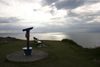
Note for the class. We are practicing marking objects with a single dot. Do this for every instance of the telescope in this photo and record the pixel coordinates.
(28, 49)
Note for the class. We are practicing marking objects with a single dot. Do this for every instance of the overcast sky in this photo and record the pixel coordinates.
(71, 16)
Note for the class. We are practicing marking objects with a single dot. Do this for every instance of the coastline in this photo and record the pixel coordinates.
(86, 40)
(58, 51)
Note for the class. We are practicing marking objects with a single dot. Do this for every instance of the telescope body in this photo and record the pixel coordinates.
(27, 35)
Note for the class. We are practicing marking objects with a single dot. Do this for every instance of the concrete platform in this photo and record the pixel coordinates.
(20, 57)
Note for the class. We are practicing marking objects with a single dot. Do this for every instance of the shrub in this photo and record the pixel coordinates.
(69, 41)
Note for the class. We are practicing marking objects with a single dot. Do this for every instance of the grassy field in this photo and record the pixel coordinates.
(65, 53)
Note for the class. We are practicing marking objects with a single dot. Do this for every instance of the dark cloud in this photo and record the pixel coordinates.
(77, 28)
(93, 14)
(8, 20)
(69, 4)
(52, 11)
(83, 14)
(11, 27)
(94, 30)
(88, 18)
(82, 25)
(86, 28)
(3, 2)
(35, 10)
(89, 2)
(92, 27)
(83, 17)
(48, 2)
(72, 14)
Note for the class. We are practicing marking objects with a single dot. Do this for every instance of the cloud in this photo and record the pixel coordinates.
(52, 11)
(77, 28)
(35, 10)
(83, 28)
(51, 16)
(11, 28)
(30, 1)
(3, 2)
(94, 30)
(72, 14)
(84, 14)
(69, 4)
(78, 18)
(8, 19)
(48, 2)
(57, 18)
(76, 13)
(92, 27)
(91, 1)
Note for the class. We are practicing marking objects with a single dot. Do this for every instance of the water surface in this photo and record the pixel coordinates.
(86, 40)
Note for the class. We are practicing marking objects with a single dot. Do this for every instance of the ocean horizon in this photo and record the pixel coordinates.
(86, 40)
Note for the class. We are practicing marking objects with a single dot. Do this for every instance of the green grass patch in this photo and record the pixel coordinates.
(65, 53)
(93, 53)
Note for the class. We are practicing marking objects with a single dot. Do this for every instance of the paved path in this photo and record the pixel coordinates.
(20, 57)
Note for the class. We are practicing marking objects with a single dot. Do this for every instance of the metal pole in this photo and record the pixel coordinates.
(27, 36)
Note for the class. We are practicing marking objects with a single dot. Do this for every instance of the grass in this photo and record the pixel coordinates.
(65, 53)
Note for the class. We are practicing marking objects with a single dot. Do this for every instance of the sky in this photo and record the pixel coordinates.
(71, 16)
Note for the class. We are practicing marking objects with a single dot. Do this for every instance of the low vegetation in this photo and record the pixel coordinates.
(91, 53)
(71, 42)
(65, 53)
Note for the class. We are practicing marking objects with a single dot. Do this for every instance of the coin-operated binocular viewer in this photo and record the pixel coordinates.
(27, 50)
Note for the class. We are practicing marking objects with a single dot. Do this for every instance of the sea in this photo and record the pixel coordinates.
(86, 40)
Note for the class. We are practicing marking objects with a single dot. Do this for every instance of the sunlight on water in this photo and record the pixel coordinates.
(86, 40)
(50, 36)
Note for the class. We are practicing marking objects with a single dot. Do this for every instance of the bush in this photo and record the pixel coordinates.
(69, 41)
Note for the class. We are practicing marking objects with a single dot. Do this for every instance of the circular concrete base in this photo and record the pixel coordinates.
(20, 57)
